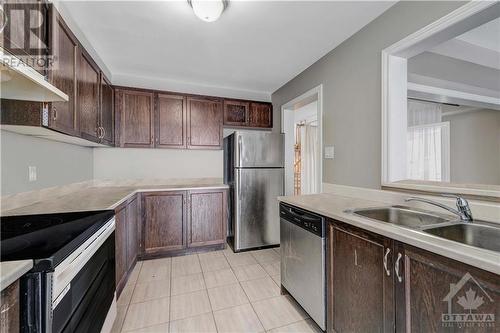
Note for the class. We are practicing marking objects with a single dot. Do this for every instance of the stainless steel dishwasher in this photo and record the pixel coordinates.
(303, 275)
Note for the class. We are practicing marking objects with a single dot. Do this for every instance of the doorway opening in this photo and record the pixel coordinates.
(301, 124)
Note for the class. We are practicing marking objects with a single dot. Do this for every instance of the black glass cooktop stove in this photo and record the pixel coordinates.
(48, 238)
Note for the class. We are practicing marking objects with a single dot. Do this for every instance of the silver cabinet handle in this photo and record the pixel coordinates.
(103, 132)
(387, 271)
(396, 267)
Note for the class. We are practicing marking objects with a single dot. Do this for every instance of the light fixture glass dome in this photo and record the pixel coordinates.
(208, 10)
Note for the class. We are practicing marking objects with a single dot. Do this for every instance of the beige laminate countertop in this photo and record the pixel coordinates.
(334, 206)
(10, 271)
(104, 196)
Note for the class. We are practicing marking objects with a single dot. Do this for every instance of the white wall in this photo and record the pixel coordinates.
(57, 163)
(136, 163)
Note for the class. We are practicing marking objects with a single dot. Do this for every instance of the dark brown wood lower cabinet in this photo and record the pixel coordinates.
(9, 309)
(207, 217)
(121, 248)
(126, 241)
(177, 222)
(360, 292)
(431, 289)
(412, 290)
(164, 221)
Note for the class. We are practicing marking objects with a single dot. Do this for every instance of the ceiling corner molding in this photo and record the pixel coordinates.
(131, 80)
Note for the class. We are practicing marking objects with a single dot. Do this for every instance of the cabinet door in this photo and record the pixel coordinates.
(9, 309)
(260, 115)
(204, 123)
(135, 118)
(132, 232)
(430, 289)
(88, 97)
(22, 39)
(207, 217)
(121, 248)
(360, 289)
(164, 221)
(107, 112)
(63, 75)
(171, 121)
(236, 113)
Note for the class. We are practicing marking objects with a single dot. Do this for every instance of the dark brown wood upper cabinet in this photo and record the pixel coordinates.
(164, 221)
(207, 217)
(107, 111)
(88, 78)
(260, 115)
(236, 113)
(425, 294)
(170, 123)
(204, 123)
(361, 289)
(34, 42)
(64, 115)
(135, 114)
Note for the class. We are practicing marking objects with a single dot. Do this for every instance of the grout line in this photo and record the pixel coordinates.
(170, 293)
(132, 295)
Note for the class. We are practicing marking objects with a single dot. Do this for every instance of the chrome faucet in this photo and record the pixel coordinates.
(463, 209)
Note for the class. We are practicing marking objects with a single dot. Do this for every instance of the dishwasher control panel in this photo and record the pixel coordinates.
(309, 221)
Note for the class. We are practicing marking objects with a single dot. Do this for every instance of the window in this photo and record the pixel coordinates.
(428, 152)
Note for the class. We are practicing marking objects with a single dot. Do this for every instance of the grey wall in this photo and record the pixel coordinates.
(351, 78)
(57, 163)
(135, 163)
(475, 147)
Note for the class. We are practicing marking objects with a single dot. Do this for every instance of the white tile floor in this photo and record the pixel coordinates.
(209, 292)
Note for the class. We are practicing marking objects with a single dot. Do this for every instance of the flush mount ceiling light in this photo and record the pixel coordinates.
(208, 10)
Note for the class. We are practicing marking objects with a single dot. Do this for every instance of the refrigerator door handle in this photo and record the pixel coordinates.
(240, 147)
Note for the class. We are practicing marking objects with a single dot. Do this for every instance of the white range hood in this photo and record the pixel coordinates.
(21, 82)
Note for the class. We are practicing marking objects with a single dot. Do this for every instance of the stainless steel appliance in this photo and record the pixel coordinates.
(253, 169)
(303, 275)
(72, 283)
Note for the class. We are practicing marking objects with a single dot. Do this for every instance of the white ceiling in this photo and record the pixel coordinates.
(255, 47)
(480, 45)
(486, 36)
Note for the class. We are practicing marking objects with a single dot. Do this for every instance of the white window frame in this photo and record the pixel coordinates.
(395, 87)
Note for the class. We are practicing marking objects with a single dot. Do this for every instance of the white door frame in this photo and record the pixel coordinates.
(318, 90)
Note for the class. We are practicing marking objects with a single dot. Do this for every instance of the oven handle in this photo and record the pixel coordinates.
(69, 268)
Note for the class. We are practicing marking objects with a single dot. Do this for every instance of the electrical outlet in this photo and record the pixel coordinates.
(32, 173)
(329, 152)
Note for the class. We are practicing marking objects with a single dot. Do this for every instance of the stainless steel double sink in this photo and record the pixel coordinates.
(477, 233)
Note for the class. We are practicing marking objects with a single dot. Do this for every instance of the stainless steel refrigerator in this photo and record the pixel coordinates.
(254, 171)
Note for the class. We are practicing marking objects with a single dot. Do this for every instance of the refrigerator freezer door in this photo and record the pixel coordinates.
(256, 212)
(258, 150)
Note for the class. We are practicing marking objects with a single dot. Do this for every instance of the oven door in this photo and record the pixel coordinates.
(83, 305)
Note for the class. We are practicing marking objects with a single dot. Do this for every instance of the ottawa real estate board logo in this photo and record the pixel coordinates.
(471, 297)
(24, 34)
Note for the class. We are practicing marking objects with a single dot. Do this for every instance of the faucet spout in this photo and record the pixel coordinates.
(463, 210)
